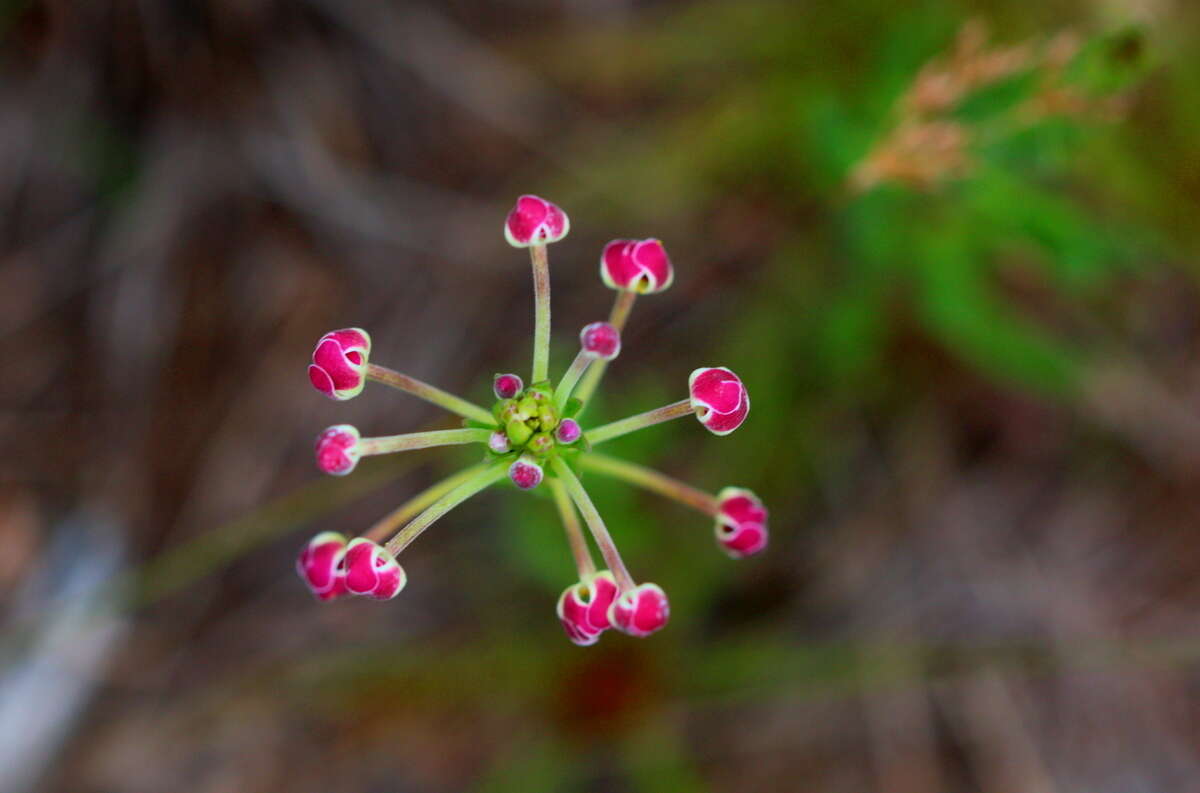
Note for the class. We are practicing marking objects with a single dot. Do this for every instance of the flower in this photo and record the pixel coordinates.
(372, 571)
(741, 525)
(568, 431)
(719, 398)
(636, 266)
(600, 340)
(337, 449)
(339, 363)
(320, 565)
(498, 442)
(525, 473)
(534, 435)
(535, 221)
(507, 386)
(640, 611)
(583, 607)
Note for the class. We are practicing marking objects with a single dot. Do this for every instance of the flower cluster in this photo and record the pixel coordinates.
(533, 436)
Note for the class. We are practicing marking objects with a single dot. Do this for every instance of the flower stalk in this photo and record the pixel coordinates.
(541, 312)
(423, 390)
(649, 479)
(595, 524)
(562, 394)
(642, 420)
(411, 508)
(421, 440)
(570, 518)
(479, 481)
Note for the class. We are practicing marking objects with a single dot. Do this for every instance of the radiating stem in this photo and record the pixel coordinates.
(541, 313)
(565, 386)
(414, 505)
(648, 419)
(617, 318)
(467, 488)
(595, 523)
(421, 440)
(651, 480)
(579, 548)
(422, 390)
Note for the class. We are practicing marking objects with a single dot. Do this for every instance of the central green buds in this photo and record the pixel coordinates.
(529, 419)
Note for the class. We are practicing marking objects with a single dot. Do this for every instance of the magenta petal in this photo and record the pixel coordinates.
(351, 339)
(604, 592)
(746, 539)
(390, 577)
(320, 565)
(330, 357)
(617, 265)
(641, 610)
(720, 399)
(361, 575)
(652, 262)
(320, 380)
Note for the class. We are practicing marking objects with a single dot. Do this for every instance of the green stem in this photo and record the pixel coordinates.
(422, 390)
(414, 505)
(648, 419)
(421, 440)
(567, 384)
(651, 480)
(595, 523)
(570, 518)
(469, 487)
(541, 313)
(617, 318)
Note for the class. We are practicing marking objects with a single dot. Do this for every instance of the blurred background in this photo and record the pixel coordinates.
(949, 246)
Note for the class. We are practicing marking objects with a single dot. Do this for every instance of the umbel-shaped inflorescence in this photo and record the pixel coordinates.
(534, 436)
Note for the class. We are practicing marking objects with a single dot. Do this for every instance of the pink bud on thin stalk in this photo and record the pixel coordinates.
(568, 431)
(337, 449)
(640, 266)
(719, 398)
(535, 221)
(583, 608)
(640, 611)
(525, 473)
(507, 386)
(600, 340)
(372, 571)
(339, 363)
(321, 567)
(741, 526)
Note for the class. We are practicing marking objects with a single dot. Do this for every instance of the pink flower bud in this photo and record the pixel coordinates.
(525, 473)
(640, 611)
(337, 449)
(741, 522)
(535, 221)
(372, 571)
(320, 565)
(568, 431)
(636, 266)
(498, 442)
(572, 614)
(719, 398)
(507, 386)
(600, 340)
(339, 363)
(583, 608)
